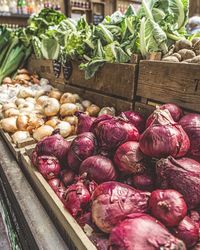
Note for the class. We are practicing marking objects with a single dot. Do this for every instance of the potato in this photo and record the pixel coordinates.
(186, 54)
(183, 44)
(170, 59)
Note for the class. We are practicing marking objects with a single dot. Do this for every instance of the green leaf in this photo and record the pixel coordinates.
(50, 48)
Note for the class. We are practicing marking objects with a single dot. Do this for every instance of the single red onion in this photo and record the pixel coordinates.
(175, 112)
(136, 119)
(55, 184)
(182, 175)
(77, 199)
(164, 137)
(111, 132)
(191, 125)
(129, 158)
(100, 240)
(61, 192)
(84, 122)
(187, 231)
(67, 176)
(112, 201)
(168, 206)
(98, 168)
(140, 231)
(54, 145)
(195, 217)
(83, 146)
(48, 166)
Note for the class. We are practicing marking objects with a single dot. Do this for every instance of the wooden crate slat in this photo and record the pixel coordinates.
(67, 225)
(170, 82)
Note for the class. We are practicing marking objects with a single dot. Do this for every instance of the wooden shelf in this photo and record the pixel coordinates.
(10, 15)
(79, 9)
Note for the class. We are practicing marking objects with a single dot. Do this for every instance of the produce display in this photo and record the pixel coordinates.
(36, 109)
(130, 183)
(153, 28)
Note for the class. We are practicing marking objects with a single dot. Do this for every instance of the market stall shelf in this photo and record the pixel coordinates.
(164, 82)
(71, 232)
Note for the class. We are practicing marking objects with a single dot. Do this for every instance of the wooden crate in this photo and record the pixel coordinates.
(117, 80)
(20, 147)
(163, 82)
(71, 232)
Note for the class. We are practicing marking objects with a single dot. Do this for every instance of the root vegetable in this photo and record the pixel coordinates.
(51, 107)
(183, 44)
(42, 132)
(68, 109)
(186, 54)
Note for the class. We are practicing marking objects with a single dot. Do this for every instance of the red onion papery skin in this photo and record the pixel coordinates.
(175, 112)
(187, 231)
(48, 166)
(129, 158)
(182, 175)
(142, 232)
(61, 192)
(84, 219)
(136, 119)
(55, 184)
(98, 168)
(111, 132)
(54, 145)
(84, 122)
(195, 217)
(144, 181)
(112, 201)
(164, 137)
(77, 198)
(67, 176)
(83, 146)
(100, 240)
(191, 125)
(168, 206)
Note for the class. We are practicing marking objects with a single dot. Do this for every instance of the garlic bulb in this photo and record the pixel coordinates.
(51, 107)
(64, 128)
(20, 136)
(41, 132)
(68, 109)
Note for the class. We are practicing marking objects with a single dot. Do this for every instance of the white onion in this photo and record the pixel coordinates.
(42, 100)
(9, 124)
(51, 107)
(86, 103)
(42, 132)
(64, 128)
(20, 136)
(11, 112)
(68, 109)
(8, 106)
(20, 101)
(22, 122)
(68, 98)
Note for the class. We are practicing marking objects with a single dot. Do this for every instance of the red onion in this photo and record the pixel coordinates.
(100, 240)
(48, 166)
(182, 175)
(77, 198)
(111, 132)
(191, 125)
(187, 231)
(54, 145)
(175, 112)
(98, 168)
(136, 119)
(55, 184)
(142, 232)
(168, 206)
(84, 122)
(85, 219)
(61, 192)
(129, 158)
(112, 201)
(83, 146)
(67, 176)
(195, 217)
(144, 181)
(34, 158)
(164, 137)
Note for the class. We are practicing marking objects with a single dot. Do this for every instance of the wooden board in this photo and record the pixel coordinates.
(112, 79)
(20, 147)
(71, 232)
(97, 98)
(170, 82)
(117, 80)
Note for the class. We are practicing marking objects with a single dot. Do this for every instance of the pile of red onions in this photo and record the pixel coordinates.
(158, 205)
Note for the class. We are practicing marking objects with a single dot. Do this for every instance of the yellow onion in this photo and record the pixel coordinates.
(93, 110)
(55, 93)
(68, 98)
(20, 136)
(64, 128)
(41, 132)
(73, 120)
(68, 109)
(42, 100)
(86, 103)
(51, 107)
(9, 124)
(8, 106)
(22, 122)
(11, 112)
